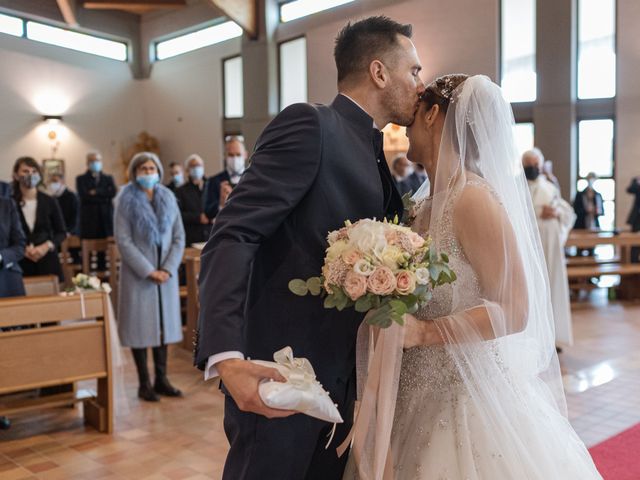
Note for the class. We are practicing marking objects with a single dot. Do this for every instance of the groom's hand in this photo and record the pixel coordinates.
(242, 377)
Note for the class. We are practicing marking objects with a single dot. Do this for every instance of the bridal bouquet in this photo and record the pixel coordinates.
(379, 266)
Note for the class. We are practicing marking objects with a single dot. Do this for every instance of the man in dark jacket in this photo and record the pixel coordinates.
(219, 186)
(67, 201)
(314, 167)
(197, 224)
(634, 215)
(12, 245)
(96, 191)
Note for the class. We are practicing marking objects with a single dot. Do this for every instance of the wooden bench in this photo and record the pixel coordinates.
(193, 303)
(90, 250)
(76, 349)
(69, 266)
(41, 285)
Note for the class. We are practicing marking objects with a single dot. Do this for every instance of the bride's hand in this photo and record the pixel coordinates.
(419, 333)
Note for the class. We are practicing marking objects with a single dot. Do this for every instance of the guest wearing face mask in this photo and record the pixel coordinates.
(219, 187)
(67, 201)
(150, 237)
(41, 221)
(176, 177)
(96, 191)
(555, 218)
(588, 206)
(197, 224)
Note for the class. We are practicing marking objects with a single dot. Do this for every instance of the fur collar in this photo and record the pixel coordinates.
(153, 218)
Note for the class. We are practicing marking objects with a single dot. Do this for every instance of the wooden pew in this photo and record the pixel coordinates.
(77, 349)
(41, 285)
(193, 303)
(90, 249)
(114, 271)
(69, 267)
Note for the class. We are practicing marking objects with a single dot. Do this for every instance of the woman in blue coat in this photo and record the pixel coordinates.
(150, 237)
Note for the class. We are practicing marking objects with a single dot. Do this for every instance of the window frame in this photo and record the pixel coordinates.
(279, 56)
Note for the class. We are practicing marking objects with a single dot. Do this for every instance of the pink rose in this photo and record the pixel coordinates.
(405, 282)
(382, 281)
(416, 240)
(355, 285)
(391, 236)
(351, 257)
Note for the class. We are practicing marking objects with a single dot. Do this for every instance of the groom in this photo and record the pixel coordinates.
(314, 167)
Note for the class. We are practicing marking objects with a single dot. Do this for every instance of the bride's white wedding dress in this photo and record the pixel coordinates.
(488, 404)
(441, 431)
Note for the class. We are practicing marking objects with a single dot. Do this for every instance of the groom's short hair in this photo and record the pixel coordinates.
(360, 43)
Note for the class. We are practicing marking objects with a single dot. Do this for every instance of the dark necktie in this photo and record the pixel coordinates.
(383, 168)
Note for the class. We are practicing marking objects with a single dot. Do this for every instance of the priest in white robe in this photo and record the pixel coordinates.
(555, 218)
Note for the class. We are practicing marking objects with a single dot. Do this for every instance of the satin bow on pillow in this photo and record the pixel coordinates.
(301, 392)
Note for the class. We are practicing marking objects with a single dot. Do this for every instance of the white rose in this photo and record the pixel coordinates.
(422, 276)
(391, 257)
(368, 236)
(335, 250)
(363, 267)
(106, 287)
(94, 282)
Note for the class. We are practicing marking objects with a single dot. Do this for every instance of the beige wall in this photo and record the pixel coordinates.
(104, 105)
(181, 102)
(627, 105)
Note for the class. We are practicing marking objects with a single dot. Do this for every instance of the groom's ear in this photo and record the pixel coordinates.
(379, 74)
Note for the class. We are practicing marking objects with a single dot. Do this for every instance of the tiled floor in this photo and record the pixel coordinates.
(183, 438)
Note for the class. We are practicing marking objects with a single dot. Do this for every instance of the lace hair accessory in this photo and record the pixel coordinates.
(446, 85)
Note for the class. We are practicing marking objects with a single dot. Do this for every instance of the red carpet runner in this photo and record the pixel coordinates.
(618, 458)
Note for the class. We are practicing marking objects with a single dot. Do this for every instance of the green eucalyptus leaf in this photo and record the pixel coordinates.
(364, 304)
(314, 284)
(299, 287)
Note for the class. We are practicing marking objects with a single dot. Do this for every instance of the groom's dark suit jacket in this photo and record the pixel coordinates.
(314, 167)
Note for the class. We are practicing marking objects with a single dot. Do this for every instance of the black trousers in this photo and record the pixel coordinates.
(291, 448)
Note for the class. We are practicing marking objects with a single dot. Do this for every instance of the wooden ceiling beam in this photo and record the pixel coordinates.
(68, 10)
(135, 6)
(243, 12)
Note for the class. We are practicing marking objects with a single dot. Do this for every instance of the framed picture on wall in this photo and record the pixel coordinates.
(52, 166)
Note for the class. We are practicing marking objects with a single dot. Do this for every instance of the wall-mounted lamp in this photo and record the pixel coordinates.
(52, 123)
(52, 119)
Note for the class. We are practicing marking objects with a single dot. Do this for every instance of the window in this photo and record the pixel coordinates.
(595, 154)
(301, 8)
(523, 136)
(198, 39)
(596, 49)
(80, 42)
(233, 87)
(11, 25)
(518, 46)
(293, 72)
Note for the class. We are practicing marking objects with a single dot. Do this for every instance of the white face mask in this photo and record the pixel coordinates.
(54, 188)
(235, 164)
(408, 171)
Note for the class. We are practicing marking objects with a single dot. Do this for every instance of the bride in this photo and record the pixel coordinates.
(470, 388)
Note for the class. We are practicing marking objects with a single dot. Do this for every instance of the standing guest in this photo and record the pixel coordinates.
(190, 200)
(401, 168)
(96, 191)
(5, 189)
(41, 220)
(634, 215)
(12, 247)
(555, 218)
(150, 237)
(67, 201)
(219, 187)
(588, 206)
(176, 177)
(413, 181)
